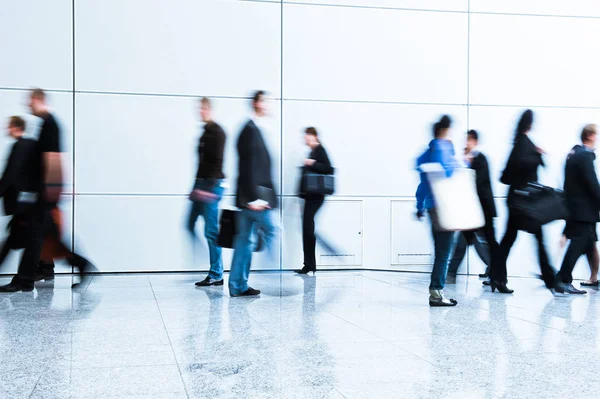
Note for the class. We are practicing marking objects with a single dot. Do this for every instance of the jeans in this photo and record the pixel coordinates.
(248, 221)
(210, 213)
(309, 241)
(443, 242)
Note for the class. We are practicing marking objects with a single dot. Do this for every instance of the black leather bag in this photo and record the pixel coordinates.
(537, 205)
(228, 231)
(317, 184)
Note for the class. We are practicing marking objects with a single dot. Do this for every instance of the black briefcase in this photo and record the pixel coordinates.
(228, 231)
(318, 184)
(537, 205)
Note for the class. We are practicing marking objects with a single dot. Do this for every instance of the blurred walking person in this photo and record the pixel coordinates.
(520, 170)
(255, 196)
(318, 163)
(582, 192)
(483, 239)
(440, 151)
(42, 241)
(19, 186)
(208, 191)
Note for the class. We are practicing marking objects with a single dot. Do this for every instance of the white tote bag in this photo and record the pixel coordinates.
(456, 200)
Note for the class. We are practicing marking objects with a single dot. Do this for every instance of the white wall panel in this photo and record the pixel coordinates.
(122, 233)
(348, 53)
(556, 131)
(212, 47)
(149, 144)
(373, 147)
(447, 5)
(37, 41)
(411, 243)
(15, 102)
(585, 8)
(517, 60)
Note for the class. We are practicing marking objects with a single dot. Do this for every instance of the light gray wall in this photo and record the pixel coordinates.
(371, 75)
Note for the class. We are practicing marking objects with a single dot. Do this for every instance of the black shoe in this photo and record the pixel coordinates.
(486, 282)
(572, 290)
(568, 288)
(207, 282)
(15, 287)
(305, 270)
(484, 275)
(249, 292)
(501, 287)
(43, 275)
(84, 267)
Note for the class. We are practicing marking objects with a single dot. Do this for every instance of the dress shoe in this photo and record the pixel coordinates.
(486, 282)
(249, 292)
(305, 270)
(15, 287)
(483, 275)
(437, 298)
(567, 288)
(207, 282)
(44, 275)
(501, 287)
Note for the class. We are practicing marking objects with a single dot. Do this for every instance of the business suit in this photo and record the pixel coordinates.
(520, 170)
(312, 204)
(254, 183)
(582, 192)
(21, 174)
(484, 239)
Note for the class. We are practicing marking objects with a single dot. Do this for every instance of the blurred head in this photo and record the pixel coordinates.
(311, 137)
(441, 128)
(525, 122)
(472, 139)
(588, 136)
(16, 127)
(258, 103)
(37, 102)
(205, 109)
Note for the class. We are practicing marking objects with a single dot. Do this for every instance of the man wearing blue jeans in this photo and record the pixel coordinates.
(255, 196)
(440, 151)
(208, 191)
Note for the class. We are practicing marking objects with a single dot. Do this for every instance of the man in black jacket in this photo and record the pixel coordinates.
(255, 196)
(20, 185)
(583, 199)
(484, 239)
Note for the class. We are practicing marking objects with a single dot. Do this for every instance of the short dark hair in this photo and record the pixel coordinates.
(17, 122)
(311, 131)
(258, 95)
(587, 132)
(38, 93)
(206, 101)
(444, 123)
(472, 134)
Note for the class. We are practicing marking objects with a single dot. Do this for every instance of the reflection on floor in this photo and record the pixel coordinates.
(336, 335)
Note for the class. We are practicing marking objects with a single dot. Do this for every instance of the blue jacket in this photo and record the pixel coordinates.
(440, 151)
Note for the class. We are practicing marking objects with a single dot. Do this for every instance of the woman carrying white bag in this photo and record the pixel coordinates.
(447, 192)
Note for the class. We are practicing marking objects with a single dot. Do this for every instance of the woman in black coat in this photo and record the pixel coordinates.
(521, 169)
(317, 162)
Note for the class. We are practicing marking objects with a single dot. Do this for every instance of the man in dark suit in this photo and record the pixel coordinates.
(255, 196)
(583, 200)
(484, 239)
(20, 185)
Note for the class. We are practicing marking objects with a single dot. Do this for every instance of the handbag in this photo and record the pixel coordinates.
(228, 231)
(457, 205)
(537, 205)
(318, 184)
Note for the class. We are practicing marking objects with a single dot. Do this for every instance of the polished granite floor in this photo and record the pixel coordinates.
(336, 335)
